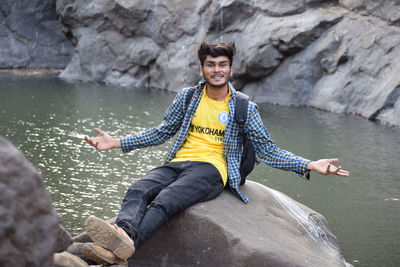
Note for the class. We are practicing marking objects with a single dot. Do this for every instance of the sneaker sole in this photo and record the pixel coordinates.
(89, 252)
(104, 235)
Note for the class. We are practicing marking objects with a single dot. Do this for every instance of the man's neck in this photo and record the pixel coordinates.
(217, 93)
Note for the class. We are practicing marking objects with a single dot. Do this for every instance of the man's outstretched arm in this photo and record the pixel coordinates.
(103, 142)
(148, 137)
(275, 157)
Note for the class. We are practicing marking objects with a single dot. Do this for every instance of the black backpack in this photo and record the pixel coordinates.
(248, 159)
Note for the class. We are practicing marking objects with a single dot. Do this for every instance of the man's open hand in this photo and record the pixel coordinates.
(102, 142)
(325, 166)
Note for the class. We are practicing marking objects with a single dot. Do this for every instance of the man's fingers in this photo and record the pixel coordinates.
(88, 139)
(92, 143)
(332, 169)
(328, 169)
(333, 160)
(95, 142)
(100, 132)
(343, 173)
(338, 169)
(96, 145)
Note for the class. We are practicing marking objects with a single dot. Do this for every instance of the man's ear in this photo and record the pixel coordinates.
(201, 71)
(231, 72)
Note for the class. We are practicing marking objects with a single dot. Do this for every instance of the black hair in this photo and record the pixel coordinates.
(216, 49)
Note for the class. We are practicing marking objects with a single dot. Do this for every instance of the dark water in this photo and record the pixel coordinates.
(44, 117)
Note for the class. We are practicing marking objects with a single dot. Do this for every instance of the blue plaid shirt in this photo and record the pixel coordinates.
(178, 117)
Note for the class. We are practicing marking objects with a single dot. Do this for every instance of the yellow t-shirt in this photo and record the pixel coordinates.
(206, 133)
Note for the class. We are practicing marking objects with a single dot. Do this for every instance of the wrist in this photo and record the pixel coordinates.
(117, 143)
(310, 165)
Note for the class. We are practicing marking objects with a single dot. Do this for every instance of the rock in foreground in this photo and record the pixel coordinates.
(28, 222)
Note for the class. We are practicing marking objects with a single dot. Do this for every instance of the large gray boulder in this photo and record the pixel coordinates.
(28, 222)
(271, 230)
(31, 35)
(338, 56)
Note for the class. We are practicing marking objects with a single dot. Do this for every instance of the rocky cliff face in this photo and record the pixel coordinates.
(338, 56)
(31, 35)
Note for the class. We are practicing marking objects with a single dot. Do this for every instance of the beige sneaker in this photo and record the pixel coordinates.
(98, 254)
(110, 237)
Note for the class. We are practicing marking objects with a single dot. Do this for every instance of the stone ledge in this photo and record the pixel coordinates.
(271, 230)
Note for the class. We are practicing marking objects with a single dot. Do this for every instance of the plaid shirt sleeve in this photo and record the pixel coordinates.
(157, 135)
(266, 149)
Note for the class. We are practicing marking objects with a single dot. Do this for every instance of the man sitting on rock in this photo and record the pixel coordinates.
(203, 160)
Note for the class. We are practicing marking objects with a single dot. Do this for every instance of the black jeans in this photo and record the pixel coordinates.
(166, 190)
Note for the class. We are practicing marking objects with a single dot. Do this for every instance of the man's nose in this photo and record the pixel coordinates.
(217, 68)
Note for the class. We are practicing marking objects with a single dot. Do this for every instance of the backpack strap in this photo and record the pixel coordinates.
(249, 158)
(191, 92)
(189, 97)
(242, 102)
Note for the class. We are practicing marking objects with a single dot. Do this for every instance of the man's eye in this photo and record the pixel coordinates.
(223, 65)
(210, 65)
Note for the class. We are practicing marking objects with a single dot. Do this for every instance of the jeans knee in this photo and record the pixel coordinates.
(166, 210)
(135, 190)
(138, 190)
(138, 185)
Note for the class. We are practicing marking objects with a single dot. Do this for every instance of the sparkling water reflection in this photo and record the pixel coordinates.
(46, 117)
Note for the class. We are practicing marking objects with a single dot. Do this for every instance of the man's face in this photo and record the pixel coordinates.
(216, 70)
